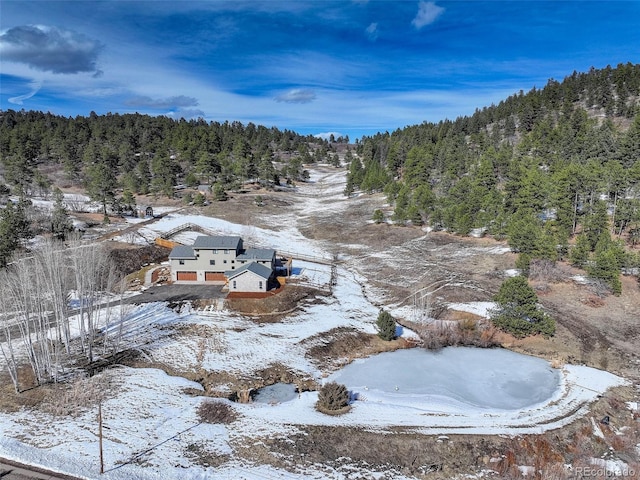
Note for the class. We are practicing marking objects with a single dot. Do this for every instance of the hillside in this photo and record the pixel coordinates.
(173, 357)
(426, 223)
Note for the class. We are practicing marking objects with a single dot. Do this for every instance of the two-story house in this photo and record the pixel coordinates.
(206, 260)
(223, 259)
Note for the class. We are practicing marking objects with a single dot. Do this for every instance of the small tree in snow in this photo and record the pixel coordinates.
(386, 326)
(333, 397)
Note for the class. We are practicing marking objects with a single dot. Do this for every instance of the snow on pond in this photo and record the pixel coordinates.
(485, 378)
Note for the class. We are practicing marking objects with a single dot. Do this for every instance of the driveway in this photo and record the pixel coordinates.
(177, 292)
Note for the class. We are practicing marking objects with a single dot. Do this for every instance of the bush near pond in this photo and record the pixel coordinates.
(333, 398)
(386, 326)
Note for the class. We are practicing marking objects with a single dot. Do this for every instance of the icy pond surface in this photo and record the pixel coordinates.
(276, 393)
(483, 378)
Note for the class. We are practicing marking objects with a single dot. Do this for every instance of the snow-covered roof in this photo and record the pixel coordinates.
(253, 267)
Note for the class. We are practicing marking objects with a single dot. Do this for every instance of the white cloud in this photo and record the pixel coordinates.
(163, 103)
(428, 12)
(372, 32)
(35, 86)
(186, 113)
(327, 135)
(297, 95)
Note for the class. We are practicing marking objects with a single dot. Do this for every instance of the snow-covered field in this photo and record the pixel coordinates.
(151, 426)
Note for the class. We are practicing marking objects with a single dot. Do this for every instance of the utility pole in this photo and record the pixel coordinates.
(100, 437)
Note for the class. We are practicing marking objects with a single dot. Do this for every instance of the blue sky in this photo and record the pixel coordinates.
(349, 67)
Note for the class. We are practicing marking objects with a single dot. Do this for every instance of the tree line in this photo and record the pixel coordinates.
(545, 169)
(135, 154)
(118, 157)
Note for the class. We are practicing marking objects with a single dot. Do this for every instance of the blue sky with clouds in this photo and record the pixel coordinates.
(349, 67)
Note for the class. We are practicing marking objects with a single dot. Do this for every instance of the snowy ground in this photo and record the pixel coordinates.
(151, 428)
(151, 424)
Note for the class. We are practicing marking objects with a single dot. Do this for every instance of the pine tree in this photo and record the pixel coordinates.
(517, 311)
(579, 254)
(101, 184)
(605, 266)
(61, 224)
(219, 193)
(13, 228)
(386, 326)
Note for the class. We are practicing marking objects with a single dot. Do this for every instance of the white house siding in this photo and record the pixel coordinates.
(223, 261)
(248, 281)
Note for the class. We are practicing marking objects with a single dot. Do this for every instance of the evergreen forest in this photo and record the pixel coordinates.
(554, 171)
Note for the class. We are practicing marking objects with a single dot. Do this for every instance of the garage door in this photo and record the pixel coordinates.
(187, 276)
(214, 277)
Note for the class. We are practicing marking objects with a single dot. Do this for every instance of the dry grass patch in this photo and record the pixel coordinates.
(398, 453)
(468, 331)
(199, 453)
(30, 396)
(216, 412)
(276, 307)
(340, 346)
(73, 398)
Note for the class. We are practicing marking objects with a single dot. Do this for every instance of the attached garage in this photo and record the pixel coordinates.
(214, 277)
(192, 276)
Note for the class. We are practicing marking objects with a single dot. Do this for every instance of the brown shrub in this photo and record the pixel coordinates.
(547, 271)
(216, 412)
(332, 397)
(593, 301)
(81, 394)
(467, 332)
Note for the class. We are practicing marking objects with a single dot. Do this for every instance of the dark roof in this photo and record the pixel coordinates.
(257, 254)
(182, 252)
(257, 268)
(219, 241)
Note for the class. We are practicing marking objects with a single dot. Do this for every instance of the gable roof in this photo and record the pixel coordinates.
(182, 252)
(255, 268)
(257, 254)
(207, 242)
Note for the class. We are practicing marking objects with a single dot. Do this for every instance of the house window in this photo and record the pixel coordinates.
(233, 261)
(215, 250)
(212, 262)
(181, 262)
(224, 261)
(226, 251)
(234, 284)
(260, 284)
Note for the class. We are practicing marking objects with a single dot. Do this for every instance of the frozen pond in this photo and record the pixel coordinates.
(276, 393)
(482, 378)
